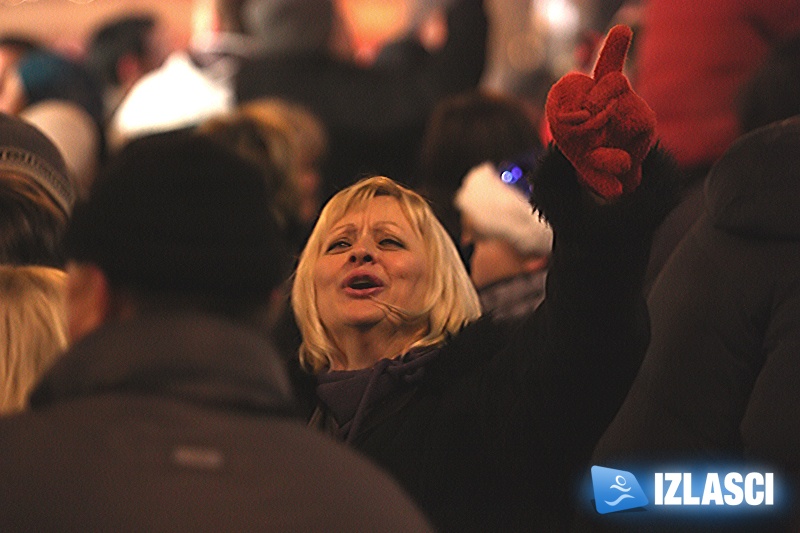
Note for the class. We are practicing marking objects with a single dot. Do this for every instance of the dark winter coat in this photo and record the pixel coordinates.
(496, 432)
(181, 423)
(719, 381)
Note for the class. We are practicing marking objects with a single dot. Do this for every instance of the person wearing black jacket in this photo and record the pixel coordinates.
(489, 424)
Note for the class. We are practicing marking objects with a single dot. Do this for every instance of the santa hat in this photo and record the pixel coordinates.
(499, 210)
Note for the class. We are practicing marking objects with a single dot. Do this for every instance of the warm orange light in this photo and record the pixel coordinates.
(374, 22)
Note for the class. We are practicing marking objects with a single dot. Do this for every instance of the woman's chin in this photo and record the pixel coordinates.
(360, 314)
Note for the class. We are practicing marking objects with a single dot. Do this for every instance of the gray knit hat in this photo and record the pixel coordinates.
(27, 151)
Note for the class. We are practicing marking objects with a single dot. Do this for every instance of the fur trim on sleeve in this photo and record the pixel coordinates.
(572, 211)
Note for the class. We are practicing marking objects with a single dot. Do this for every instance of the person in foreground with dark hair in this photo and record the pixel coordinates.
(171, 411)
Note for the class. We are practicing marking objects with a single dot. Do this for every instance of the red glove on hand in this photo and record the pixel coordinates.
(602, 126)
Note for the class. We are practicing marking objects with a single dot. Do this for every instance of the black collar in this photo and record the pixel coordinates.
(194, 357)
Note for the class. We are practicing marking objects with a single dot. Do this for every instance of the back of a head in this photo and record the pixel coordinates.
(47, 75)
(289, 26)
(31, 227)
(36, 195)
(773, 93)
(178, 214)
(308, 138)
(465, 131)
(267, 146)
(127, 35)
(469, 129)
(33, 325)
(305, 128)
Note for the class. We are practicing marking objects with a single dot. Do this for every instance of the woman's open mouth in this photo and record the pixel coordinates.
(362, 286)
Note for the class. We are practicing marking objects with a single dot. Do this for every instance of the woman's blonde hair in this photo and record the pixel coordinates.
(33, 327)
(450, 299)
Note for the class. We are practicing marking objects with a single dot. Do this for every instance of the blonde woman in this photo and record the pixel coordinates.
(32, 326)
(487, 424)
(490, 424)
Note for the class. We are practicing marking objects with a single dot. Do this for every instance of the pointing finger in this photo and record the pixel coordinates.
(615, 48)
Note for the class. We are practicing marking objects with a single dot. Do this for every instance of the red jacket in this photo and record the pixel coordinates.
(693, 58)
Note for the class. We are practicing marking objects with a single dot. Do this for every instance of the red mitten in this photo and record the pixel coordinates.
(602, 126)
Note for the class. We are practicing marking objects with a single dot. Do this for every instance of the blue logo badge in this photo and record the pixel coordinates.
(616, 490)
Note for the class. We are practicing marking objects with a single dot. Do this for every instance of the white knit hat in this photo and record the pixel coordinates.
(74, 133)
(498, 210)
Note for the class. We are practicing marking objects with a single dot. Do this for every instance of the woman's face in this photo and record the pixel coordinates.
(370, 256)
(492, 259)
(12, 93)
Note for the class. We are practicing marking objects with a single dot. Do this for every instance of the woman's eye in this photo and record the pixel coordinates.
(391, 243)
(337, 245)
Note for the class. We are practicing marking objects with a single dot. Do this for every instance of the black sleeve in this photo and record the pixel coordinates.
(564, 371)
(585, 342)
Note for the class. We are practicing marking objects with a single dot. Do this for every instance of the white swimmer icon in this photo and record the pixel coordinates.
(616, 490)
(620, 486)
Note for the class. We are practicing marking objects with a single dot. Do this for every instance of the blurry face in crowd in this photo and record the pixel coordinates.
(12, 94)
(372, 262)
(494, 259)
(308, 184)
(131, 68)
(158, 48)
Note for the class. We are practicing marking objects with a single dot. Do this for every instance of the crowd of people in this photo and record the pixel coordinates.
(265, 283)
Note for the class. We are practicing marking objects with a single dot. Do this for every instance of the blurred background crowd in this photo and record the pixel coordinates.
(446, 97)
(525, 35)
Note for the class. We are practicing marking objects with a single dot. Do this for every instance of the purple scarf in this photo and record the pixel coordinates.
(349, 394)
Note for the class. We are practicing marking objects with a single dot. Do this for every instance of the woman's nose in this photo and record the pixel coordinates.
(360, 254)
